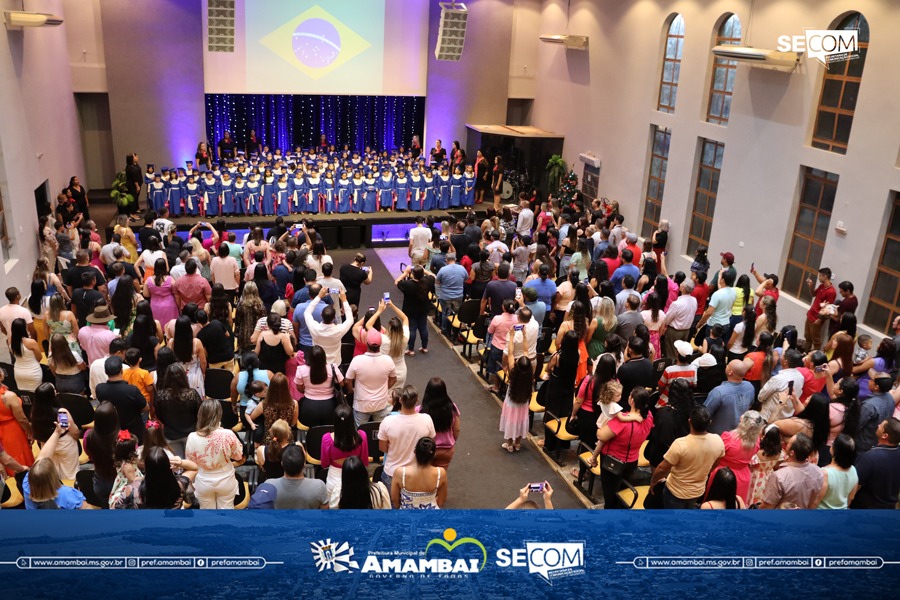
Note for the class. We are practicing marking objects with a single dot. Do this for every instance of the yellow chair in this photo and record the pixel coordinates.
(633, 497)
(533, 406)
(245, 502)
(642, 460)
(585, 453)
(556, 426)
(553, 346)
(15, 497)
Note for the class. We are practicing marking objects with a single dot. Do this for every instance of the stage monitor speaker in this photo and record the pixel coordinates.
(329, 236)
(452, 31)
(220, 26)
(351, 237)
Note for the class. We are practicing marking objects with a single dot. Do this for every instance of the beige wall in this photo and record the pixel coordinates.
(607, 104)
(38, 130)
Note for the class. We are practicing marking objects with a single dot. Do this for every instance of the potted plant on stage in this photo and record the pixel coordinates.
(556, 170)
(120, 195)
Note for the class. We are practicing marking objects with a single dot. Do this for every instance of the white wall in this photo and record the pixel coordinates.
(38, 129)
(87, 57)
(607, 104)
(526, 28)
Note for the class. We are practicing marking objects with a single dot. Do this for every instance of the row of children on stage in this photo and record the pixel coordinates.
(355, 186)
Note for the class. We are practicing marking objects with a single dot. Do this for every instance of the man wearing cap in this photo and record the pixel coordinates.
(328, 333)
(874, 411)
(727, 263)
(371, 377)
(95, 338)
(768, 286)
(680, 318)
(682, 369)
(730, 399)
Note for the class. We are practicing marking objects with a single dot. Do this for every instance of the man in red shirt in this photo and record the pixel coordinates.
(822, 295)
(768, 286)
(631, 240)
(192, 287)
(701, 293)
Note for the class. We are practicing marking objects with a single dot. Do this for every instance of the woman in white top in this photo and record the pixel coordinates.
(420, 485)
(395, 340)
(215, 451)
(27, 353)
(317, 258)
(149, 256)
(743, 336)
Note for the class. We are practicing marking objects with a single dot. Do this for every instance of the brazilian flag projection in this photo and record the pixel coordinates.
(316, 47)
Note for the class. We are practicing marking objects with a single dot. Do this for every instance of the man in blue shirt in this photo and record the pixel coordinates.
(538, 309)
(874, 411)
(626, 268)
(544, 286)
(304, 337)
(450, 282)
(720, 303)
(729, 400)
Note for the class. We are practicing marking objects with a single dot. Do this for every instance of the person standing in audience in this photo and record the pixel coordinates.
(293, 490)
(129, 402)
(15, 429)
(248, 311)
(399, 434)
(450, 284)
(416, 284)
(353, 276)
(329, 333)
(879, 469)
(14, 310)
(680, 318)
(357, 491)
(273, 346)
(176, 405)
(686, 466)
(637, 371)
(823, 295)
(192, 288)
(226, 272)
(215, 451)
(840, 477)
(217, 341)
(420, 484)
(371, 375)
(741, 445)
(720, 305)
(874, 411)
(798, 482)
(316, 381)
(780, 396)
(27, 354)
(729, 400)
(338, 446)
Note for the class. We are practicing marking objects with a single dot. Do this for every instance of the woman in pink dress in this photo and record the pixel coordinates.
(741, 445)
(159, 289)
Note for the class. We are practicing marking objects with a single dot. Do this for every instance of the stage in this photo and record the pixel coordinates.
(348, 231)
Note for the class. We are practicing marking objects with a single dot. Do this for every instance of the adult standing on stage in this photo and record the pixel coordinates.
(79, 194)
(482, 176)
(438, 154)
(253, 143)
(226, 147)
(497, 181)
(203, 157)
(415, 147)
(133, 179)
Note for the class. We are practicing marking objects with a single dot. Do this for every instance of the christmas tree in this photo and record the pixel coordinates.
(568, 189)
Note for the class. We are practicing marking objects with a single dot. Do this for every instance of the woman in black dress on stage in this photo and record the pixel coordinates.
(482, 176)
(79, 194)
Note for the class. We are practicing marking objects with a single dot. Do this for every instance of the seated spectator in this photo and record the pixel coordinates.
(293, 491)
(42, 487)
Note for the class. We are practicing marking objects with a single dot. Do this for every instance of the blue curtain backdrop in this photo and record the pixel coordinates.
(285, 121)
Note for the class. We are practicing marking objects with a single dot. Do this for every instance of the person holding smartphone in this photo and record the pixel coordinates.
(354, 275)
(524, 501)
(780, 396)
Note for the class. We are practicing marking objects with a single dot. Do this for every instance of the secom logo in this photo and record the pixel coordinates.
(826, 45)
(549, 560)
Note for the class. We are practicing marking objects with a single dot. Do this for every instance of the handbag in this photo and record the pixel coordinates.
(572, 426)
(613, 465)
(336, 388)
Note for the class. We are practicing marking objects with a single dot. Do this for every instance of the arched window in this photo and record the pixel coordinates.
(840, 88)
(668, 87)
(723, 73)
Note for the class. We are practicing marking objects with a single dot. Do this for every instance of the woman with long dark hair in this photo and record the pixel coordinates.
(841, 479)
(670, 422)
(560, 375)
(27, 353)
(159, 289)
(445, 415)
(761, 362)
(190, 353)
(416, 287)
(588, 399)
(143, 337)
(315, 381)
(743, 335)
(219, 307)
(743, 298)
(421, 484)
(654, 321)
(15, 429)
(345, 441)
(843, 416)
(100, 446)
(268, 293)
(176, 405)
(813, 420)
(268, 456)
(68, 368)
(160, 487)
(497, 181)
(278, 404)
(357, 491)
(122, 304)
(274, 346)
(722, 493)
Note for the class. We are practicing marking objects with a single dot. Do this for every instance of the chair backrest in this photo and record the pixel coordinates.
(371, 429)
(79, 406)
(229, 418)
(27, 401)
(660, 364)
(469, 311)
(314, 440)
(480, 327)
(9, 377)
(218, 383)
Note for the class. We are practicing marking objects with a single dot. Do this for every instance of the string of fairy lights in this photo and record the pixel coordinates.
(286, 121)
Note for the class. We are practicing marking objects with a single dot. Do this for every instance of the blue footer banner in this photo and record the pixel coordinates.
(448, 554)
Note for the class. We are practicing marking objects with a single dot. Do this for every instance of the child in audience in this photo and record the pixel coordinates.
(256, 390)
(715, 338)
(138, 377)
(122, 494)
(863, 347)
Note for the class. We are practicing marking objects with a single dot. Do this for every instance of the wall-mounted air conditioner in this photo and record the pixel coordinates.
(571, 42)
(759, 57)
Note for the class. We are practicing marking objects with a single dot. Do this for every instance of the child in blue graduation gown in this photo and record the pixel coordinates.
(253, 192)
(157, 192)
(267, 194)
(469, 186)
(226, 190)
(282, 197)
(385, 190)
(358, 188)
(416, 185)
(429, 191)
(314, 181)
(240, 194)
(192, 198)
(299, 191)
(344, 193)
(443, 184)
(401, 187)
(370, 199)
(456, 188)
(175, 193)
(327, 189)
(149, 178)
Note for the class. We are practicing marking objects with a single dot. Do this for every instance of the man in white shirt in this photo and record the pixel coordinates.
(328, 334)
(371, 377)
(779, 394)
(680, 317)
(97, 373)
(178, 270)
(419, 238)
(525, 222)
(399, 434)
(107, 256)
(13, 311)
(162, 224)
(525, 345)
(627, 290)
(496, 248)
